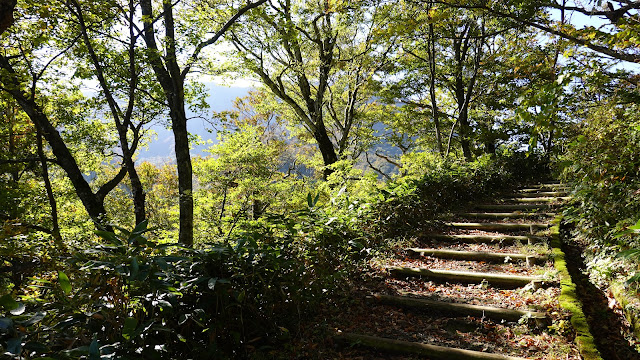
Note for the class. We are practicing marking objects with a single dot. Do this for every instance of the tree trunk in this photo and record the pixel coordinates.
(169, 76)
(432, 88)
(6, 14)
(55, 231)
(11, 116)
(325, 146)
(465, 132)
(139, 196)
(122, 122)
(92, 203)
(185, 170)
(463, 118)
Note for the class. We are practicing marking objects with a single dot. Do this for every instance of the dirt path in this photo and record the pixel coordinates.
(481, 287)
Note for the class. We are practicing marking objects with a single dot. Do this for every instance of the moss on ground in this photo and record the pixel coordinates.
(569, 299)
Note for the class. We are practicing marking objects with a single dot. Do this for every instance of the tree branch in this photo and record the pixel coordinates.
(217, 35)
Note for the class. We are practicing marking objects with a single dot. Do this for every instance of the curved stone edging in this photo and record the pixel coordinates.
(569, 299)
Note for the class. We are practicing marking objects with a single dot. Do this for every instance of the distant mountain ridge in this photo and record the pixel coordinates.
(161, 149)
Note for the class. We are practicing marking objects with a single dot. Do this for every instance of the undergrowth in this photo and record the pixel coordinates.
(129, 294)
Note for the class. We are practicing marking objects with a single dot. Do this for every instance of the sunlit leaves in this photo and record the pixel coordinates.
(64, 282)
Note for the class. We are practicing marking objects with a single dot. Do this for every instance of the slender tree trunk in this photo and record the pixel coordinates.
(137, 190)
(432, 88)
(453, 128)
(11, 116)
(461, 48)
(55, 231)
(122, 121)
(185, 170)
(170, 78)
(463, 117)
(465, 132)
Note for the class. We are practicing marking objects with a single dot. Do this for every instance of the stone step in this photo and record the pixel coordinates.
(545, 199)
(487, 239)
(551, 189)
(515, 207)
(541, 194)
(548, 184)
(504, 215)
(431, 351)
(498, 226)
(500, 280)
(476, 255)
(480, 311)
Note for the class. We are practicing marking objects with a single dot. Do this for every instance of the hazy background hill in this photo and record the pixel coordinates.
(161, 149)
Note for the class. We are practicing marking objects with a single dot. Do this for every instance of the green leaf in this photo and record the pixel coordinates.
(94, 350)
(129, 328)
(8, 302)
(629, 254)
(635, 227)
(634, 279)
(241, 296)
(134, 268)
(14, 345)
(36, 346)
(35, 318)
(163, 304)
(212, 283)
(141, 228)
(109, 236)
(19, 310)
(5, 324)
(64, 282)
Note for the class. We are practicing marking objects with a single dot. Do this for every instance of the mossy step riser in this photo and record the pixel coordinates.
(488, 312)
(497, 280)
(431, 351)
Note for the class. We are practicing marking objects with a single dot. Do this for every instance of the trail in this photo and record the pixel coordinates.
(483, 286)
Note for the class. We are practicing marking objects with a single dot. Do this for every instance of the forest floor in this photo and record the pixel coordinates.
(375, 322)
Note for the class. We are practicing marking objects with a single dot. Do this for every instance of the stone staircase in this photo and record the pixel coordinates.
(490, 236)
